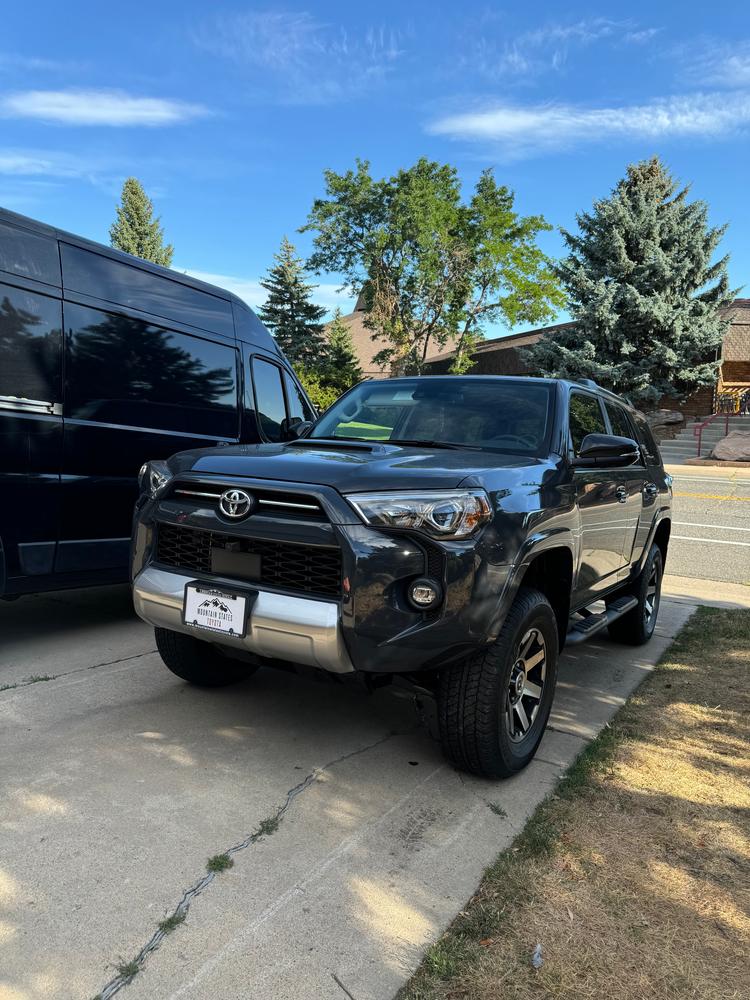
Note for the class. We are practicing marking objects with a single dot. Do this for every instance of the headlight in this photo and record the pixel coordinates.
(441, 514)
(153, 476)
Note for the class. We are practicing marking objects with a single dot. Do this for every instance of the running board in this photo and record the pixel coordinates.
(585, 627)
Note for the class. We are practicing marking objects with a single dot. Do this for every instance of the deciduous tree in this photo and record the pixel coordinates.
(434, 269)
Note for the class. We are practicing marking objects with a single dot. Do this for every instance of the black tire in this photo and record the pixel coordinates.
(477, 713)
(198, 662)
(637, 626)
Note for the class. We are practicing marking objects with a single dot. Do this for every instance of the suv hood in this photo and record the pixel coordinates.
(348, 467)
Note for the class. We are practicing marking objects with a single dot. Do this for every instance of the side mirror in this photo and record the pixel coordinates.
(296, 428)
(601, 450)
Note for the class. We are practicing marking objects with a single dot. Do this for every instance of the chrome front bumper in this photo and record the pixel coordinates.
(281, 627)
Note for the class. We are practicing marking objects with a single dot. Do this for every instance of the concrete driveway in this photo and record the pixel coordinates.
(353, 842)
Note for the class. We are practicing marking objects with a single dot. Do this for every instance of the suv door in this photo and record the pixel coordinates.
(630, 483)
(600, 506)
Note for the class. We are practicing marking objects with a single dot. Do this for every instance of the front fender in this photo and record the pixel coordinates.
(536, 544)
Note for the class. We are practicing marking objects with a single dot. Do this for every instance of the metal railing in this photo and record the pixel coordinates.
(699, 428)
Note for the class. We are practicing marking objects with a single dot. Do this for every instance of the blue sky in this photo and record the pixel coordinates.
(230, 113)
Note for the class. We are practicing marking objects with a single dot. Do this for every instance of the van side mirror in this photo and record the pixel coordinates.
(601, 450)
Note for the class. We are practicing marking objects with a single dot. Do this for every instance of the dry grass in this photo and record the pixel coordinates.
(635, 876)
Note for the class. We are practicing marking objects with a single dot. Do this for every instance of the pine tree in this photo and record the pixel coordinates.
(342, 369)
(136, 230)
(291, 316)
(642, 291)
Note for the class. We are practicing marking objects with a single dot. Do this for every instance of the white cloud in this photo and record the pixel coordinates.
(251, 291)
(724, 65)
(542, 49)
(516, 131)
(39, 163)
(97, 107)
(305, 60)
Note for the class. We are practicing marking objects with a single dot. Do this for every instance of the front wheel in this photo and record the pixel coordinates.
(637, 626)
(493, 707)
(198, 662)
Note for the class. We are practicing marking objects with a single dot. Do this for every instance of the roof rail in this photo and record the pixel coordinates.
(588, 382)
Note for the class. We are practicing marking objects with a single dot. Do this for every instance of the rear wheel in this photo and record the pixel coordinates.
(637, 626)
(198, 662)
(493, 708)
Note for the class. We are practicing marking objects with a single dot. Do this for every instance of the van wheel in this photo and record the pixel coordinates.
(637, 626)
(198, 662)
(493, 707)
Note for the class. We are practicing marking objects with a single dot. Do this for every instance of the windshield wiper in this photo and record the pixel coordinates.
(454, 445)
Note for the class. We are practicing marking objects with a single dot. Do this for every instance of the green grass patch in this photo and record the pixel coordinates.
(128, 969)
(170, 923)
(219, 863)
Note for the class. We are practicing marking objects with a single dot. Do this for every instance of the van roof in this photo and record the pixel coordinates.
(24, 222)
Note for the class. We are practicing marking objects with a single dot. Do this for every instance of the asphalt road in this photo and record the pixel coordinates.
(354, 843)
(711, 528)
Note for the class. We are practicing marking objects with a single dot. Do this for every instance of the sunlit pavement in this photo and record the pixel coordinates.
(119, 782)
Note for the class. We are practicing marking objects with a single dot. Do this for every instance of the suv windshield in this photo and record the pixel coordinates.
(495, 414)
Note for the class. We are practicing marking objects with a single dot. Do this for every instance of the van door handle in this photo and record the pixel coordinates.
(622, 494)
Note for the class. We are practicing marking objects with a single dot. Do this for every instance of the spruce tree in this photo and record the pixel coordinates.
(293, 319)
(643, 292)
(136, 230)
(342, 364)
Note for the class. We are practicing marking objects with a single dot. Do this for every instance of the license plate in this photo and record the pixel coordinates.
(215, 610)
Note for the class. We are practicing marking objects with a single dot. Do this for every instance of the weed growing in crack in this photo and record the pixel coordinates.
(127, 969)
(170, 923)
(497, 810)
(34, 679)
(268, 826)
(219, 863)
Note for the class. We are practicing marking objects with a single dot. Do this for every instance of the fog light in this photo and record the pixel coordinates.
(425, 594)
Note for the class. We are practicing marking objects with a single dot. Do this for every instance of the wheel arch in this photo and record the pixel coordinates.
(551, 572)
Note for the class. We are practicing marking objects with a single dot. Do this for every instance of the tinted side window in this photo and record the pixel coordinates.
(127, 285)
(126, 371)
(586, 417)
(298, 405)
(269, 398)
(30, 345)
(618, 418)
(29, 254)
(250, 329)
(649, 445)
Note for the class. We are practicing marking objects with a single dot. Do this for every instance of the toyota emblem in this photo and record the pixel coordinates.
(235, 503)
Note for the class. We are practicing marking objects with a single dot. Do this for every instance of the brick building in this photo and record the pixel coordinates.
(502, 356)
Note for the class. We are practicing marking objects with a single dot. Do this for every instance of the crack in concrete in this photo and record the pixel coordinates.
(265, 828)
(28, 681)
(338, 982)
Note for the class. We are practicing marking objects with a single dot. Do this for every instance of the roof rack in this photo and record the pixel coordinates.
(588, 382)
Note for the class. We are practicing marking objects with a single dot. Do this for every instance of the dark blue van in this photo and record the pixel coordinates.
(107, 361)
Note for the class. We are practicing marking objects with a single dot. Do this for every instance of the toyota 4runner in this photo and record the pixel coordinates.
(451, 531)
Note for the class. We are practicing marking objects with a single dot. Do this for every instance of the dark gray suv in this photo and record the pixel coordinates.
(453, 531)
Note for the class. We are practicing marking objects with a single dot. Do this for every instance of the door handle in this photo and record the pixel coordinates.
(622, 494)
(650, 490)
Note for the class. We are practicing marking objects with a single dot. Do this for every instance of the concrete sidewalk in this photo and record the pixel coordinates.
(120, 781)
(740, 473)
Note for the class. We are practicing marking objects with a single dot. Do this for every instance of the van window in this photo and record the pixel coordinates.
(29, 254)
(132, 286)
(269, 399)
(30, 345)
(586, 417)
(249, 328)
(298, 405)
(121, 370)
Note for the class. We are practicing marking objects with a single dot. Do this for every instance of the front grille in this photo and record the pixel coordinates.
(274, 503)
(307, 569)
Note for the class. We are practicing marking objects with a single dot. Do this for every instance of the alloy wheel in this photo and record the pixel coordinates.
(526, 685)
